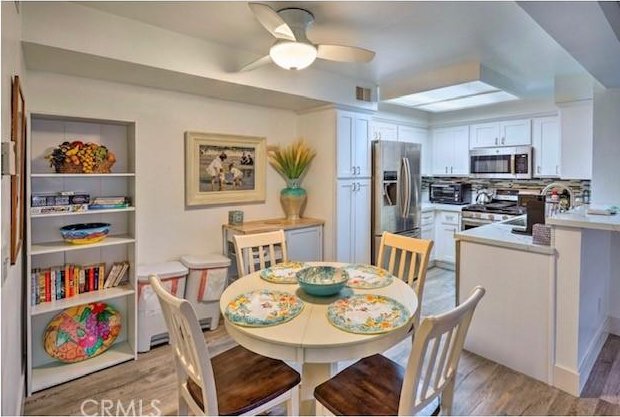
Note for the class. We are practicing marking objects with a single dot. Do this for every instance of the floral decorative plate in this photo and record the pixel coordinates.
(262, 308)
(367, 314)
(367, 276)
(283, 273)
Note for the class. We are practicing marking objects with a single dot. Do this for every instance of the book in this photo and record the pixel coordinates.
(107, 206)
(42, 286)
(82, 280)
(101, 275)
(52, 287)
(121, 274)
(111, 275)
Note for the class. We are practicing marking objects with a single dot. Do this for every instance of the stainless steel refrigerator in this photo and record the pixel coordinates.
(396, 189)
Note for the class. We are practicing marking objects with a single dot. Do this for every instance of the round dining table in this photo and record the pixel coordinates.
(309, 339)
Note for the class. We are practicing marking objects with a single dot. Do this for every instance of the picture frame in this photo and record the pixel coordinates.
(224, 169)
(18, 183)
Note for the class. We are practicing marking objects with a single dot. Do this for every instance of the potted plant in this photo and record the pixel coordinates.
(292, 163)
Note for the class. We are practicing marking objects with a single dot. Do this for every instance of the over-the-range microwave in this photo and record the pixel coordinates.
(501, 162)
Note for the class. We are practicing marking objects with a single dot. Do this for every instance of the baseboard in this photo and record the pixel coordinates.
(21, 390)
(592, 352)
(445, 265)
(613, 325)
(566, 380)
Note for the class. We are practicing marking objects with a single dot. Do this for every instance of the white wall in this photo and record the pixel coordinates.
(614, 285)
(606, 145)
(12, 310)
(166, 229)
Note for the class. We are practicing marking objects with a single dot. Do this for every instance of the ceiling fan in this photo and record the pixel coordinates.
(292, 49)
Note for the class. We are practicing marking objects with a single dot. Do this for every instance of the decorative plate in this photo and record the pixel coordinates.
(367, 276)
(261, 308)
(367, 314)
(82, 332)
(283, 273)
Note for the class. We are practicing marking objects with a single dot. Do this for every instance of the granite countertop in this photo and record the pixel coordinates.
(500, 234)
(578, 218)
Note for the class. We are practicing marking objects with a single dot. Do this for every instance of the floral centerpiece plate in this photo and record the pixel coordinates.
(262, 308)
(367, 314)
(283, 273)
(367, 276)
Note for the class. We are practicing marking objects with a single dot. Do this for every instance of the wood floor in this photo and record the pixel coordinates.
(483, 387)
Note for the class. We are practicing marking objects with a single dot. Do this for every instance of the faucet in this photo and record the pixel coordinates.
(561, 186)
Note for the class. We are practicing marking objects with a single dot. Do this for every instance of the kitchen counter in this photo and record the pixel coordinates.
(443, 207)
(500, 234)
(579, 219)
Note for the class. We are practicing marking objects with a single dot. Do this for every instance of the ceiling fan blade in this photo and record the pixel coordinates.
(342, 53)
(272, 21)
(255, 64)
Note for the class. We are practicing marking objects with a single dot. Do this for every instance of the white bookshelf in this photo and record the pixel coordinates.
(45, 247)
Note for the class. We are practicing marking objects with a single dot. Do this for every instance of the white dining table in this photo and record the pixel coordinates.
(309, 339)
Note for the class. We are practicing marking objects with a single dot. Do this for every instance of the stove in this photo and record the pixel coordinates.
(502, 207)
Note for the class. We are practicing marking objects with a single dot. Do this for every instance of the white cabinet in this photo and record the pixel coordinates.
(305, 244)
(504, 133)
(450, 151)
(427, 224)
(353, 221)
(446, 225)
(353, 145)
(576, 121)
(384, 131)
(546, 143)
(418, 135)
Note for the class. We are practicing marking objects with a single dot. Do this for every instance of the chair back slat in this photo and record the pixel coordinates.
(258, 249)
(188, 344)
(425, 376)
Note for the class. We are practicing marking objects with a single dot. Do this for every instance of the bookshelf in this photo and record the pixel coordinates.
(45, 247)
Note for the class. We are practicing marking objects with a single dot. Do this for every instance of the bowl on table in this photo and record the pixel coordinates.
(322, 281)
(84, 233)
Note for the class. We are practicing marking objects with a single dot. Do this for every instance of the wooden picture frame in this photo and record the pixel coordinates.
(224, 169)
(18, 183)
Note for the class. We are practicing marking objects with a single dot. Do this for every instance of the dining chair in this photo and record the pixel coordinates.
(258, 249)
(234, 382)
(377, 385)
(411, 257)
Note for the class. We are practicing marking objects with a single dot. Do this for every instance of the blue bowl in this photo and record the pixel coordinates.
(322, 281)
(84, 233)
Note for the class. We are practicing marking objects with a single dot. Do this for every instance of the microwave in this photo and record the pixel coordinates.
(505, 162)
(450, 193)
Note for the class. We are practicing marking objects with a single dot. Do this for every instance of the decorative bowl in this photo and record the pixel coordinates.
(85, 232)
(322, 281)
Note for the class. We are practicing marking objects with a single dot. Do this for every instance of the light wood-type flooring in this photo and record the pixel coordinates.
(483, 387)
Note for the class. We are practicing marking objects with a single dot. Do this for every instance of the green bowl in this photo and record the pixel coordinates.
(322, 281)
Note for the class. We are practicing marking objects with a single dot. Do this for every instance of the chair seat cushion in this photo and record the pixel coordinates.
(245, 380)
(369, 387)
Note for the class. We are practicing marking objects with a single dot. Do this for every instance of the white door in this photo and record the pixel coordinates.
(344, 221)
(445, 243)
(361, 146)
(460, 151)
(361, 225)
(305, 244)
(344, 144)
(484, 135)
(546, 142)
(442, 151)
(515, 132)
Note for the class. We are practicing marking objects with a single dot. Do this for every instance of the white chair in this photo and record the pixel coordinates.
(258, 249)
(378, 386)
(411, 256)
(234, 382)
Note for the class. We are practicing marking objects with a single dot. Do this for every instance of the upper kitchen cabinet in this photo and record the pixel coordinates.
(505, 133)
(576, 121)
(418, 135)
(353, 145)
(383, 131)
(546, 142)
(450, 151)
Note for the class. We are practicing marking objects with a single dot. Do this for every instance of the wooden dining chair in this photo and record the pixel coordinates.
(234, 382)
(407, 258)
(378, 386)
(258, 249)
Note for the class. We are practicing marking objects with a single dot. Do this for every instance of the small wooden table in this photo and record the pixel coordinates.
(309, 339)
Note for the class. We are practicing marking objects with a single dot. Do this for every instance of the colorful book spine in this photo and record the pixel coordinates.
(101, 275)
(42, 286)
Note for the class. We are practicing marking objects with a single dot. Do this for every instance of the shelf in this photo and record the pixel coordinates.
(88, 297)
(80, 213)
(55, 175)
(62, 246)
(57, 372)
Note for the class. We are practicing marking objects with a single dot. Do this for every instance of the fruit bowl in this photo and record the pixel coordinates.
(78, 157)
(84, 233)
(322, 281)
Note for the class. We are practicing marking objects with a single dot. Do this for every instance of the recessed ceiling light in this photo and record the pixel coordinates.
(471, 101)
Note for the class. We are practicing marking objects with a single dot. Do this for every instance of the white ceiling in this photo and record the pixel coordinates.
(408, 37)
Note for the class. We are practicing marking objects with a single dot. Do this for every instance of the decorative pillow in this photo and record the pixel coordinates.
(82, 332)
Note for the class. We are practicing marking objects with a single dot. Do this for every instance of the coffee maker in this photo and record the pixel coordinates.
(535, 207)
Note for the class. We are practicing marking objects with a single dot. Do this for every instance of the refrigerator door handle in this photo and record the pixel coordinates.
(403, 187)
(408, 189)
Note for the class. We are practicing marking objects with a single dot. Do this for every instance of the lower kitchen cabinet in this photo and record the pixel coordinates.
(446, 225)
(428, 229)
(353, 221)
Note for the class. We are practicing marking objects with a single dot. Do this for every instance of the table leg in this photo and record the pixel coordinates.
(313, 374)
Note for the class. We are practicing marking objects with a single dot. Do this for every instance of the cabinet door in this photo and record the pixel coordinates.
(305, 244)
(484, 135)
(459, 164)
(384, 131)
(442, 151)
(515, 132)
(546, 142)
(344, 144)
(361, 219)
(428, 233)
(446, 247)
(361, 145)
(344, 221)
(576, 131)
(418, 135)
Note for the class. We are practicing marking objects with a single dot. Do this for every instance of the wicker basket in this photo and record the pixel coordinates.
(69, 168)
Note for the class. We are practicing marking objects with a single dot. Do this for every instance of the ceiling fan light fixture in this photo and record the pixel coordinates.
(293, 55)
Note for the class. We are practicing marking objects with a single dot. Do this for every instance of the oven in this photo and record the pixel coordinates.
(502, 162)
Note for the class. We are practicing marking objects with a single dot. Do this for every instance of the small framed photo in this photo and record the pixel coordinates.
(224, 169)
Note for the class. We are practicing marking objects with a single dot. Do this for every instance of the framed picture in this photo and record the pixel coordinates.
(18, 184)
(224, 169)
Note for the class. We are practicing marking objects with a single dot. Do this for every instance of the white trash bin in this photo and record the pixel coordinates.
(206, 281)
(152, 328)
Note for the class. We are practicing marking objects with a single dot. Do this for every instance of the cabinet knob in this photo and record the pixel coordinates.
(503, 140)
(451, 170)
(446, 169)
(496, 141)
(557, 169)
(353, 170)
(538, 169)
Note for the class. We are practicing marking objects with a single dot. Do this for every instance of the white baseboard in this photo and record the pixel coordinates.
(566, 380)
(445, 265)
(613, 325)
(592, 352)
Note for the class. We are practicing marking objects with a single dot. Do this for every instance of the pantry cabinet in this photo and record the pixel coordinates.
(353, 221)
(576, 121)
(503, 133)
(450, 151)
(546, 144)
(353, 145)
